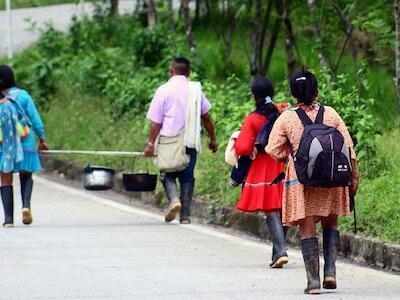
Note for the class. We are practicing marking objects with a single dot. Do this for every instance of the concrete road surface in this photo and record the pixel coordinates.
(83, 245)
(58, 15)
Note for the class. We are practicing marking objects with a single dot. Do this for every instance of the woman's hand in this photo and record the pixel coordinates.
(354, 186)
(43, 146)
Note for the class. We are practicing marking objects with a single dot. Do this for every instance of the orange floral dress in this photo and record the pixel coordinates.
(301, 201)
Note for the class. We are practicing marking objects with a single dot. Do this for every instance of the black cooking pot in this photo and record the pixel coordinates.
(139, 182)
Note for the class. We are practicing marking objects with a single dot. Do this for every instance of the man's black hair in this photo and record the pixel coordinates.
(181, 65)
(304, 86)
(262, 88)
(7, 78)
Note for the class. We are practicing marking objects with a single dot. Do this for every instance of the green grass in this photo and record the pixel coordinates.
(378, 199)
(107, 79)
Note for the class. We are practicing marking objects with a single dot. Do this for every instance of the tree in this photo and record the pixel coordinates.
(323, 61)
(347, 28)
(397, 25)
(188, 26)
(113, 7)
(151, 14)
(224, 33)
(171, 24)
(257, 40)
(290, 42)
(259, 63)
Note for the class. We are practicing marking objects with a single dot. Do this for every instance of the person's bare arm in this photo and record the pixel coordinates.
(154, 132)
(209, 125)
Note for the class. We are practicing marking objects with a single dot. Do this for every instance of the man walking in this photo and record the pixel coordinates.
(169, 116)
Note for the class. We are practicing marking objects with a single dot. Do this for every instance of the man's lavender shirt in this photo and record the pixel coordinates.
(169, 105)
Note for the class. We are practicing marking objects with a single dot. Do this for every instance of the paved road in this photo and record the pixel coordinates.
(86, 246)
(59, 15)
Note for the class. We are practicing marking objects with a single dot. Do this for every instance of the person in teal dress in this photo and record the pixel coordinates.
(18, 107)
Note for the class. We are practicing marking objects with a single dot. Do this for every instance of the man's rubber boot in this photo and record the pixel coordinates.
(186, 200)
(331, 249)
(172, 195)
(26, 194)
(309, 248)
(279, 255)
(7, 196)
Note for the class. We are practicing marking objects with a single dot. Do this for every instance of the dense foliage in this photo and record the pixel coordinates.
(104, 71)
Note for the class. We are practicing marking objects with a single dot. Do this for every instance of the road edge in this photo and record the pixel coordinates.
(360, 250)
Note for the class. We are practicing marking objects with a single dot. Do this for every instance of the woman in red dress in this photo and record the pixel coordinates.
(259, 193)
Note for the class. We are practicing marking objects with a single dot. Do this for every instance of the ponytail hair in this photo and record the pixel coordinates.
(304, 86)
(263, 92)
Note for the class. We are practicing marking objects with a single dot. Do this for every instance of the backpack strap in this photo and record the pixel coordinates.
(303, 117)
(320, 116)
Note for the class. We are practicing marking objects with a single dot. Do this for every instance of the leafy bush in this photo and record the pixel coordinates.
(355, 111)
(112, 66)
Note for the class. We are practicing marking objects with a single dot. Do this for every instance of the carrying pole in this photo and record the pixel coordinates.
(109, 153)
(9, 31)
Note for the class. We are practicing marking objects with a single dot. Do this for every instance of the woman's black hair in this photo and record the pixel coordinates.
(7, 79)
(304, 86)
(262, 88)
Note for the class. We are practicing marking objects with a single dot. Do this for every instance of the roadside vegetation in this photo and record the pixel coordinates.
(34, 3)
(94, 84)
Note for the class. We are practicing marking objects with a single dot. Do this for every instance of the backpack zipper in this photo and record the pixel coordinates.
(333, 157)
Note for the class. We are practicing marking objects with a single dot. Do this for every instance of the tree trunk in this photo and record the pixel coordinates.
(289, 38)
(397, 24)
(347, 28)
(256, 40)
(171, 24)
(264, 27)
(197, 10)
(188, 26)
(323, 60)
(151, 14)
(208, 9)
(271, 46)
(113, 7)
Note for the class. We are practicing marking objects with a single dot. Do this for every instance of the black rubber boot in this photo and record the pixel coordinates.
(331, 249)
(276, 232)
(26, 194)
(171, 190)
(26, 190)
(186, 200)
(285, 230)
(7, 195)
(309, 248)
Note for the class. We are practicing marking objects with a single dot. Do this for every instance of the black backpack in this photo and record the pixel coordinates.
(323, 158)
(263, 135)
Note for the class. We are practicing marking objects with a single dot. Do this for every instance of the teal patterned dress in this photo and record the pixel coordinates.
(31, 160)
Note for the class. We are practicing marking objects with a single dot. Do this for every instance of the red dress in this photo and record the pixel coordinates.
(257, 193)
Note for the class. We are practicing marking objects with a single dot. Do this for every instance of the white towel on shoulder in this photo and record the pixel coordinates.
(192, 136)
